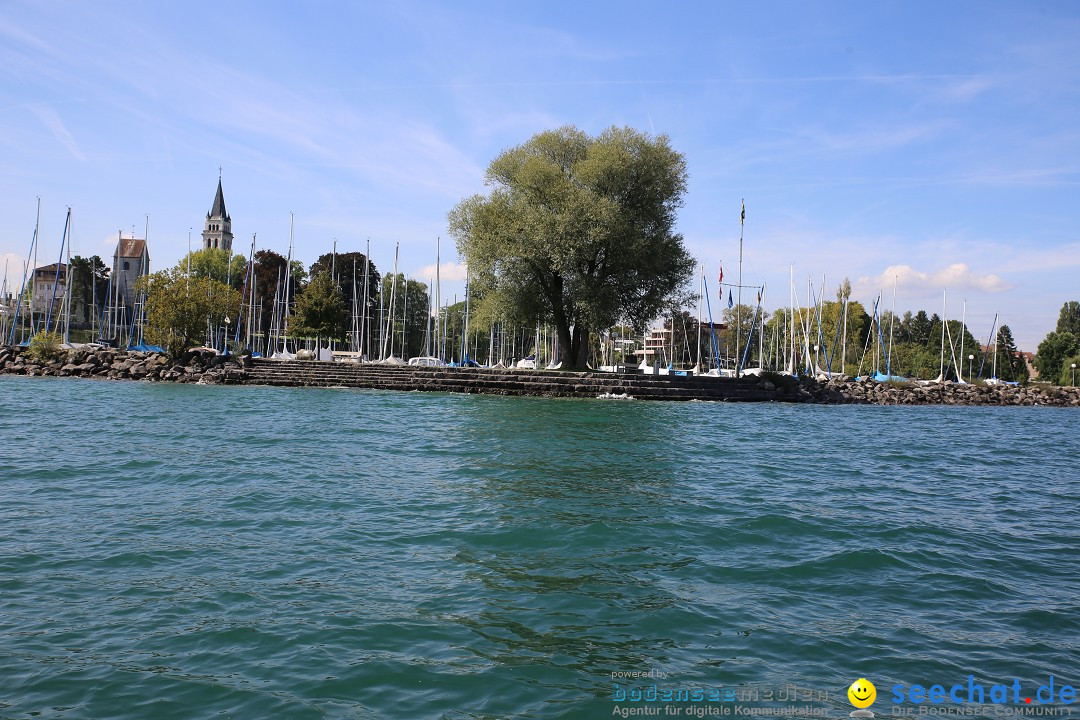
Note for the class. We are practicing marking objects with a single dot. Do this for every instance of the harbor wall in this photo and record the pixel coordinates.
(204, 366)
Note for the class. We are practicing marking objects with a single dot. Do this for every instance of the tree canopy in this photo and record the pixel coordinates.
(412, 309)
(577, 231)
(89, 283)
(1069, 318)
(1052, 353)
(180, 309)
(320, 309)
(214, 263)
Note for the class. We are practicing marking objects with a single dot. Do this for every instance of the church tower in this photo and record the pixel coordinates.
(218, 230)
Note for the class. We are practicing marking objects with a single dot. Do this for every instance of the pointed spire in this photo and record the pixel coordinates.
(219, 203)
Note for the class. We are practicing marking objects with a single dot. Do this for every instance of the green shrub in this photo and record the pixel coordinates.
(45, 346)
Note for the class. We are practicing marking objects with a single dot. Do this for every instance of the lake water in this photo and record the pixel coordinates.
(176, 551)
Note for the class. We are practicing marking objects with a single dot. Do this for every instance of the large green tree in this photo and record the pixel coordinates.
(214, 263)
(180, 310)
(1069, 318)
(89, 285)
(578, 231)
(343, 265)
(320, 309)
(918, 328)
(1053, 350)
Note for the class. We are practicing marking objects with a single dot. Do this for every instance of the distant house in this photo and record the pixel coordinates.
(1029, 360)
(46, 278)
(131, 261)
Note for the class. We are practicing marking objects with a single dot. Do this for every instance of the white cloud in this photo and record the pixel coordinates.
(448, 272)
(957, 276)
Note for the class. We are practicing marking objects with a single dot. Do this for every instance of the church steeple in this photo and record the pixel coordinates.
(217, 232)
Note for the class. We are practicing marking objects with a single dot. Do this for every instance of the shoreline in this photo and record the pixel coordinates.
(206, 367)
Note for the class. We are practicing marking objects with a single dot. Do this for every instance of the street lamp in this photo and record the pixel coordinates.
(225, 340)
(970, 358)
(1073, 374)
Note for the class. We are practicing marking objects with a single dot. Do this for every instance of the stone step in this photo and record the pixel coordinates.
(502, 381)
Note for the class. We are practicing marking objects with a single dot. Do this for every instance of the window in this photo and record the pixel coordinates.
(127, 265)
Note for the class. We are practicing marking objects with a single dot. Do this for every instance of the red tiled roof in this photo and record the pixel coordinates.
(130, 248)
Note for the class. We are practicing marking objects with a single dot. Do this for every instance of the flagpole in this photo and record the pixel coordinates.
(738, 308)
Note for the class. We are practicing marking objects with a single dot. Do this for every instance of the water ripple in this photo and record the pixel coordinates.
(181, 550)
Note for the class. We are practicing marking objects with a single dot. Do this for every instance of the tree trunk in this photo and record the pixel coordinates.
(566, 356)
(575, 354)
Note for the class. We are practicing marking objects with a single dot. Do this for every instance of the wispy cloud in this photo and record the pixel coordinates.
(55, 125)
(1052, 259)
(1052, 176)
(965, 89)
(871, 139)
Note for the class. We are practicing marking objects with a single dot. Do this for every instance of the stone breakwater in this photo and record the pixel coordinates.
(204, 366)
(871, 392)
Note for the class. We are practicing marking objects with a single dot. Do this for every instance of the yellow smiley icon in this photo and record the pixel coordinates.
(862, 693)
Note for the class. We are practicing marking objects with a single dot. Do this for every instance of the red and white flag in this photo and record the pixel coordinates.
(721, 273)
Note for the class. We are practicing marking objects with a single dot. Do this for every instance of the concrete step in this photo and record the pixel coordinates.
(502, 381)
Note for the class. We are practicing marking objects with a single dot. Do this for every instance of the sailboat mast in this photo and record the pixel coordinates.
(365, 331)
(249, 296)
(22, 287)
(56, 275)
(405, 318)
(284, 317)
(389, 334)
(738, 307)
(791, 300)
(68, 285)
(275, 318)
(761, 332)
(4, 300)
(465, 329)
(892, 326)
(963, 329)
(427, 335)
(944, 319)
(995, 351)
(382, 333)
(33, 275)
(439, 334)
(701, 289)
(355, 311)
(843, 351)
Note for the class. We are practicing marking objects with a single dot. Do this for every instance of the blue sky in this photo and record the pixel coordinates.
(934, 143)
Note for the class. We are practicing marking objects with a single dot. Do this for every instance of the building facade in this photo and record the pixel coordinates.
(131, 261)
(46, 279)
